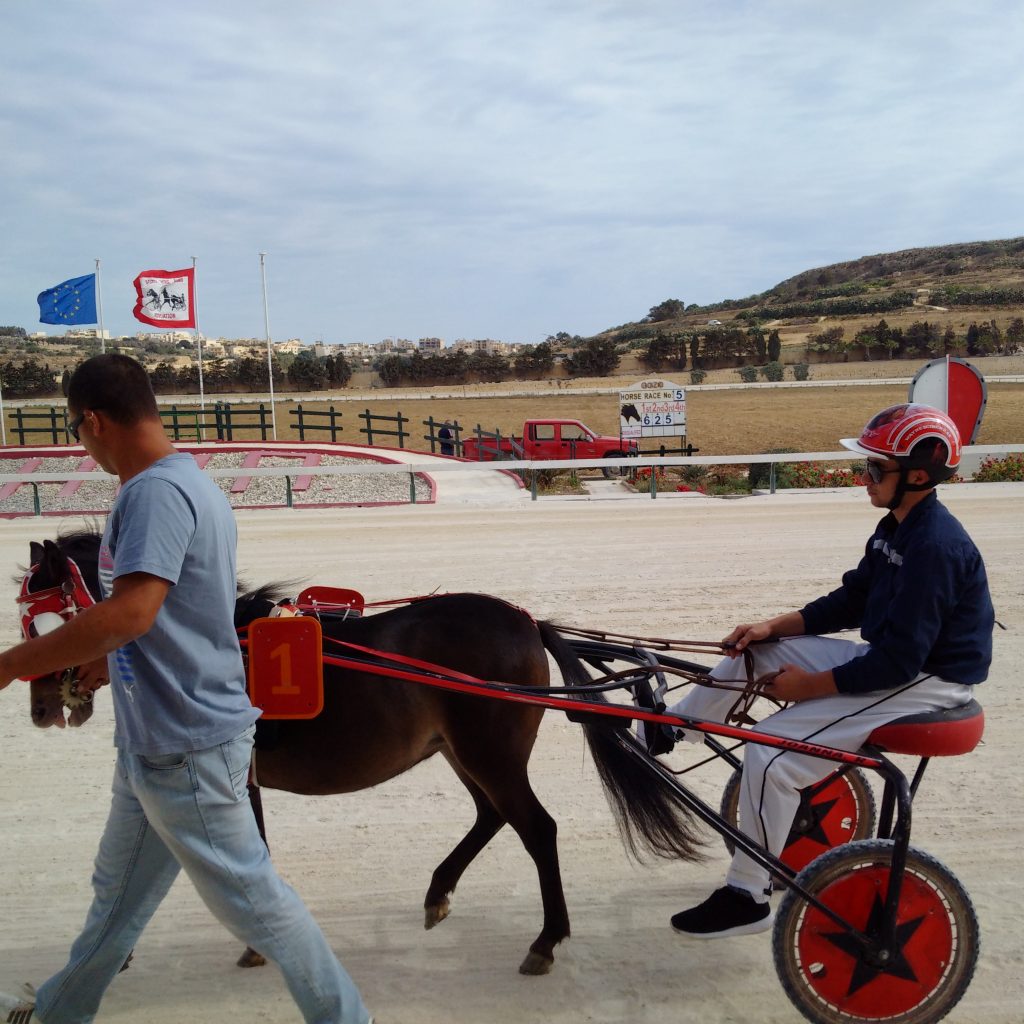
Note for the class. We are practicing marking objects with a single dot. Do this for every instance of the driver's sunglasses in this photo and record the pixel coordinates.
(75, 424)
(876, 471)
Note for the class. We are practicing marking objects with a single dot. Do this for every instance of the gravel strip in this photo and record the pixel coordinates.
(98, 496)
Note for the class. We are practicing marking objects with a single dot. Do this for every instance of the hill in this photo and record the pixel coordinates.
(950, 287)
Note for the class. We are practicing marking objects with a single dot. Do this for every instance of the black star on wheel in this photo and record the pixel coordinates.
(816, 833)
(863, 972)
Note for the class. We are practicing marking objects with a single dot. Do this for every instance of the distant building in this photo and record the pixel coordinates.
(430, 344)
(87, 332)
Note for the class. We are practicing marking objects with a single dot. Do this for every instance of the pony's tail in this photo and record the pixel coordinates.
(651, 816)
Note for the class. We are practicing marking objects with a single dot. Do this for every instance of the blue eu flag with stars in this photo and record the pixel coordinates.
(70, 302)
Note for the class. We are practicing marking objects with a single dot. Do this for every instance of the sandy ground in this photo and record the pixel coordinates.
(687, 567)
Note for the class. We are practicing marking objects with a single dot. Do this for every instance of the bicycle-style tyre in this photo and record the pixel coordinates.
(843, 812)
(832, 980)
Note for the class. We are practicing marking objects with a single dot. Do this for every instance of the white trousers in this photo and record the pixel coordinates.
(772, 778)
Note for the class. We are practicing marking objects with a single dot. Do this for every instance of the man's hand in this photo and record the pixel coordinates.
(795, 684)
(90, 677)
(742, 636)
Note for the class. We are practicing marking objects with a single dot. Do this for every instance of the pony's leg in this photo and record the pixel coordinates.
(447, 874)
(507, 786)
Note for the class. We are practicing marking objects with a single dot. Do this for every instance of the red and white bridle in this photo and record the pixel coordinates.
(43, 611)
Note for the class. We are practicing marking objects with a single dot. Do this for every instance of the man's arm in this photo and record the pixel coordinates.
(127, 614)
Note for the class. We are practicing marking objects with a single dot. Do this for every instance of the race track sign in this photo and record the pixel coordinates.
(286, 668)
(652, 408)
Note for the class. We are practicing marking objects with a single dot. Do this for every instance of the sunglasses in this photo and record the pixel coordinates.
(75, 424)
(876, 472)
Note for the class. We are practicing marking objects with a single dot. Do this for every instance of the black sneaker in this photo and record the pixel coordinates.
(726, 912)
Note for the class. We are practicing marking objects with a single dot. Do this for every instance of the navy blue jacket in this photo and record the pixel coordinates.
(920, 596)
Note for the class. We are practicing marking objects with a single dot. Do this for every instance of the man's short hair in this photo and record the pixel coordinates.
(116, 384)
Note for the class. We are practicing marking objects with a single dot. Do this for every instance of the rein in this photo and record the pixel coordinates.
(412, 669)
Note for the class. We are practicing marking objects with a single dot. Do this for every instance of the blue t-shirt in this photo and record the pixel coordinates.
(180, 686)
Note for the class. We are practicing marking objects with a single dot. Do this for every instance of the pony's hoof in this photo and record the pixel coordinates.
(250, 958)
(535, 963)
(435, 914)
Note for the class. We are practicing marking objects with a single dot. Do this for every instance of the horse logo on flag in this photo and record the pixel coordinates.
(165, 298)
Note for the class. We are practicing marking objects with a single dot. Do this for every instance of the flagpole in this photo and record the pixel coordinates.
(199, 348)
(99, 303)
(270, 360)
(3, 417)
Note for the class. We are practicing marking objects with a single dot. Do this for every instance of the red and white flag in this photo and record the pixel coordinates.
(166, 298)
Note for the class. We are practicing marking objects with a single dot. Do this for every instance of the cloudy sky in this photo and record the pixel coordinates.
(493, 168)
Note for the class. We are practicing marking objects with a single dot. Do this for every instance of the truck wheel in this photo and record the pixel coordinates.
(611, 472)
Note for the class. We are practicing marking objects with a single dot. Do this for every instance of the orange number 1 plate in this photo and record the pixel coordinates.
(286, 669)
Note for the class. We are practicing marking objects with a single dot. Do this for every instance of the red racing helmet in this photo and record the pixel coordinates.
(907, 433)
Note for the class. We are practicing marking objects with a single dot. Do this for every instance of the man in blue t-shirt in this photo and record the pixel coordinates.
(920, 598)
(164, 636)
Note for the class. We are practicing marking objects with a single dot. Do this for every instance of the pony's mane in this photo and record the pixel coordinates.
(251, 604)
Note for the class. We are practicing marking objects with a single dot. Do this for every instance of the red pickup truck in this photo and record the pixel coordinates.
(551, 439)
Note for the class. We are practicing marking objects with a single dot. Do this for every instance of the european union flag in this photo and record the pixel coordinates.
(70, 302)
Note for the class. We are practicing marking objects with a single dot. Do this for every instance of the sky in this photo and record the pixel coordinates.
(490, 169)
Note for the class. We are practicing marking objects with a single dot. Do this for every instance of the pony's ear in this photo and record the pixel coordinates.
(36, 552)
(55, 561)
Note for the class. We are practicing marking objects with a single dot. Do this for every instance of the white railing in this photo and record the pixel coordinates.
(436, 466)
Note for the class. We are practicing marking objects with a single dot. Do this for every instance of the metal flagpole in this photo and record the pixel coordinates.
(199, 348)
(99, 306)
(270, 363)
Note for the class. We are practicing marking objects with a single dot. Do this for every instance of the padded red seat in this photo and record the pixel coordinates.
(933, 733)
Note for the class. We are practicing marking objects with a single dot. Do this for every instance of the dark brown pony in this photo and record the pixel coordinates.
(374, 727)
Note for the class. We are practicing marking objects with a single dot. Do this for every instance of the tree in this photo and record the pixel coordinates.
(670, 309)
(163, 377)
(308, 372)
(665, 350)
(757, 339)
(596, 358)
(535, 361)
(774, 347)
(390, 371)
(1015, 334)
(339, 370)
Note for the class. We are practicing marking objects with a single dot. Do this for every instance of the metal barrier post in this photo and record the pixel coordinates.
(654, 482)
(288, 490)
(37, 508)
(533, 485)
(412, 488)
(771, 477)
(297, 413)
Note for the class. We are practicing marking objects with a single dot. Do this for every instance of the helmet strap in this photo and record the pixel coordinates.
(903, 486)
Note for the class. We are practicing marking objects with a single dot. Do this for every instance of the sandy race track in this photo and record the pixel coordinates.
(687, 567)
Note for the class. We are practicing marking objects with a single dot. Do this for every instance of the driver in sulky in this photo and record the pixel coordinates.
(920, 599)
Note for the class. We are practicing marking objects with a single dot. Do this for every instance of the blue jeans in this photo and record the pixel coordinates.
(192, 811)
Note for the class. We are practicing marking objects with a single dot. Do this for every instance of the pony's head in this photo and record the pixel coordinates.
(61, 580)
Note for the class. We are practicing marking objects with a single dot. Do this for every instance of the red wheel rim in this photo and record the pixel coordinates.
(924, 948)
(839, 813)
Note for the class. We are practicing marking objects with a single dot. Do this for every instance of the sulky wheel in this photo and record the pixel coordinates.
(832, 980)
(841, 812)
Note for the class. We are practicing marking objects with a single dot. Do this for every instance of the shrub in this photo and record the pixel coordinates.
(759, 473)
(748, 374)
(997, 470)
(697, 376)
(816, 474)
(773, 371)
(801, 371)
